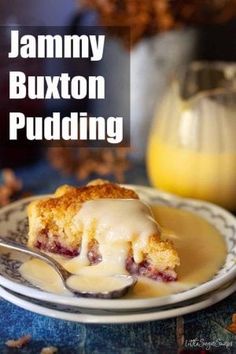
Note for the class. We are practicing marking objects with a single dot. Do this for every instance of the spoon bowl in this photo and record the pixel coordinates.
(116, 287)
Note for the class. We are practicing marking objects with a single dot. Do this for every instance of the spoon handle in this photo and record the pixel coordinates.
(63, 273)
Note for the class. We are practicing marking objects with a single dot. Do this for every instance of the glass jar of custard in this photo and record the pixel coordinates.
(192, 144)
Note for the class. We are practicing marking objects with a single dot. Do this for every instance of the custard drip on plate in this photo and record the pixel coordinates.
(200, 246)
(116, 224)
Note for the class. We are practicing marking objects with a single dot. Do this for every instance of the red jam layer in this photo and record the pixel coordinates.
(144, 268)
(56, 247)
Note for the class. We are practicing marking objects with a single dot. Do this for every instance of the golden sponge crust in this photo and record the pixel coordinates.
(52, 218)
(161, 254)
(53, 215)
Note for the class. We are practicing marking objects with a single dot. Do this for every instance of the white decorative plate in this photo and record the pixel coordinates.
(13, 225)
(106, 316)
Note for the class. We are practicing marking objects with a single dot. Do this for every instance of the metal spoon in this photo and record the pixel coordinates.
(129, 281)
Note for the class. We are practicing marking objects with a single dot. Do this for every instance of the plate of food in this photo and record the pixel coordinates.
(175, 249)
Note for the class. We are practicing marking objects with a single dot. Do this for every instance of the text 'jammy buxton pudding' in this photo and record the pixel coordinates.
(102, 227)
